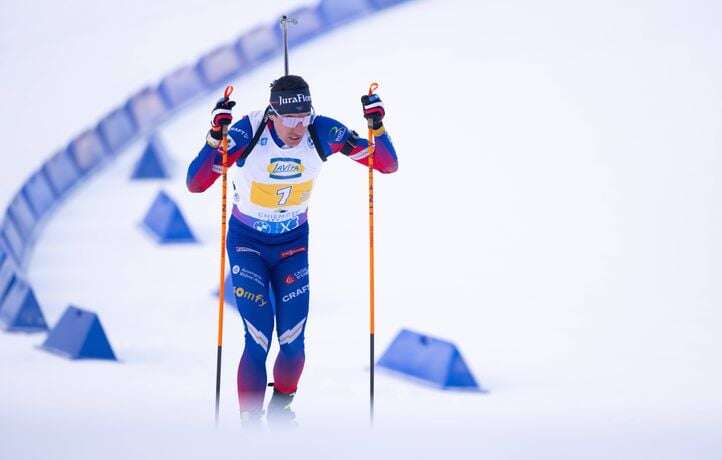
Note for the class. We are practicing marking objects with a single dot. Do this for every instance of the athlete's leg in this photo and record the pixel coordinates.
(250, 280)
(291, 291)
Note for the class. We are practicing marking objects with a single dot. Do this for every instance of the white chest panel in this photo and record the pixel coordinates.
(275, 183)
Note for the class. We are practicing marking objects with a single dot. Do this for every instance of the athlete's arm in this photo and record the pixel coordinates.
(335, 137)
(206, 167)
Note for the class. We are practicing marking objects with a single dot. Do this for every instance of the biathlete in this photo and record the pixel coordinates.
(277, 153)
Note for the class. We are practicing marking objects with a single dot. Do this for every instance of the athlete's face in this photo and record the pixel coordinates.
(290, 136)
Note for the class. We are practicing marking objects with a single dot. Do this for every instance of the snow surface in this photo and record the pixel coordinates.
(563, 232)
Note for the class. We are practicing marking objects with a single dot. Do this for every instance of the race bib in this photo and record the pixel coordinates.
(280, 195)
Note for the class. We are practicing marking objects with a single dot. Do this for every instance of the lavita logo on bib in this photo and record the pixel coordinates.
(285, 168)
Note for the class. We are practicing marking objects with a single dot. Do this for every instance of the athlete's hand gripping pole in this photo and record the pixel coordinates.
(372, 312)
(221, 289)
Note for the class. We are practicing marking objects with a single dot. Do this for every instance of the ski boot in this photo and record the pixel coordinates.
(280, 415)
(251, 420)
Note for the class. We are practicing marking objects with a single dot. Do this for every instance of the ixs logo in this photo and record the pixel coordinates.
(285, 168)
(251, 297)
(292, 252)
(293, 277)
(297, 293)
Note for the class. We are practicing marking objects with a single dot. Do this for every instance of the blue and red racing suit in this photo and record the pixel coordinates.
(267, 240)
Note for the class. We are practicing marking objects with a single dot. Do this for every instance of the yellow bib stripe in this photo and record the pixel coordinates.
(280, 195)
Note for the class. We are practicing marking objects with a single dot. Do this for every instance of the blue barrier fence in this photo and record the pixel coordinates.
(147, 108)
(7, 274)
(259, 44)
(21, 214)
(61, 172)
(310, 25)
(38, 192)
(181, 86)
(340, 12)
(142, 112)
(220, 65)
(87, 150)
(117, 129)
(13, 240)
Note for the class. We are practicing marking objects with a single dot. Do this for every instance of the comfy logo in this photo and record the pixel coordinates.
(251, 297)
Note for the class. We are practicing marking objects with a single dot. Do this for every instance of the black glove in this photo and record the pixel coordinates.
(222, 118)
(373, 110)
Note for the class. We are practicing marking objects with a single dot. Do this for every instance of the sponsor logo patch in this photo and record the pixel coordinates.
(253, 276)
(258, 299)
(245, 249)
(293, 277)
(285, 168)
(264, 141)
(292, 252)
(262, 226)
(336, 133)
(297, 293)
(236, 269)
(297, 99)
(240, 131)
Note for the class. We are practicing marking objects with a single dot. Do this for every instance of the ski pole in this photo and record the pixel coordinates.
(221, 289)
(284, 25)
(372, 313)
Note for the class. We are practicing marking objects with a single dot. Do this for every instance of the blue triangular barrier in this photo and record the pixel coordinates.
(165, 222)
(153, 163)
(430, 360)
(79, 335)
(20, 311)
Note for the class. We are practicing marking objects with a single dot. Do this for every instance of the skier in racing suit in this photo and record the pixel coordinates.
(274, 156)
